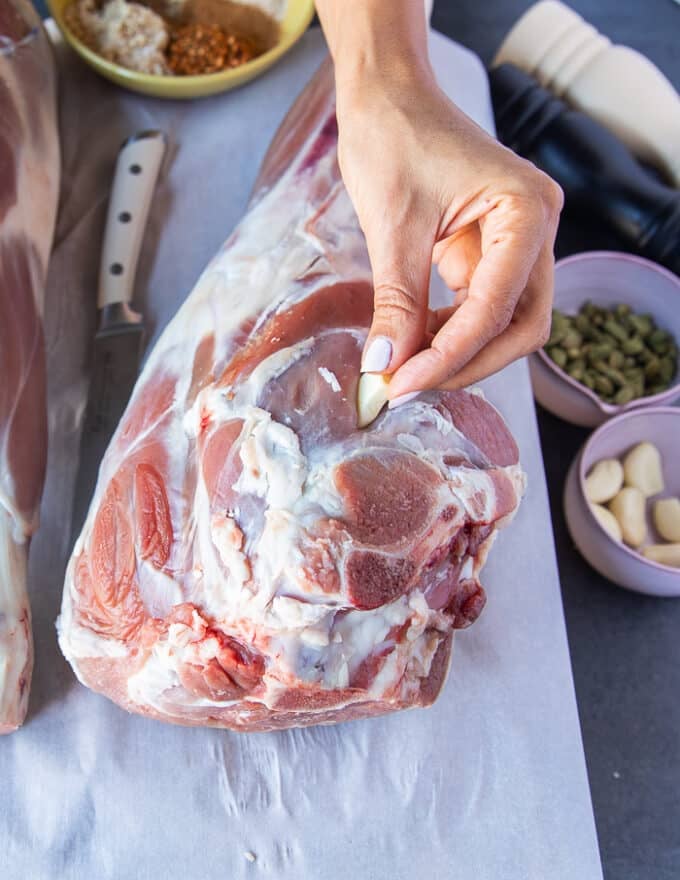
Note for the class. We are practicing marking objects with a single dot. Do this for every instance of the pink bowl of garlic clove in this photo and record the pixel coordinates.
(613, 559)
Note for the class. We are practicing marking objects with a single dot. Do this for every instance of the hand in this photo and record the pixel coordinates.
(429, 185)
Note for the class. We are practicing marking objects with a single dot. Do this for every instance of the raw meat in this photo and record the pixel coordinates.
(29, 172)
(251, 559)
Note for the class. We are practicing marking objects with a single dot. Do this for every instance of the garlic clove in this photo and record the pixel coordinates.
(642, 469)
(666, 554)
(628, 506)
(604, 480)
(667, 519)
(608, 521)
(371, 397)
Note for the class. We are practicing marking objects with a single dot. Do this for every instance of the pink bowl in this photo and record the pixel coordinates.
(606, 278)
(660, 426)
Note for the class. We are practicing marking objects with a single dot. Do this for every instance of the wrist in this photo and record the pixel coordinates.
(381, 41)
(389, 70)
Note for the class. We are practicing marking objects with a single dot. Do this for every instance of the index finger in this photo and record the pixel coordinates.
(511, 241)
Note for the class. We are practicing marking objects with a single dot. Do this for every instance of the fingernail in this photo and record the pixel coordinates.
(377, 356)
(403, 398)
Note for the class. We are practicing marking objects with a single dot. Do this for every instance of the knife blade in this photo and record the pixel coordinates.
(119, 341)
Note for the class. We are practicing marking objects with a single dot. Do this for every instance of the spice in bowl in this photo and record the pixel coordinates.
(616, 353)
(173, 37)
(205, 48)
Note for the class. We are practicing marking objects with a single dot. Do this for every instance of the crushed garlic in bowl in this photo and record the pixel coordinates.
(128, 34)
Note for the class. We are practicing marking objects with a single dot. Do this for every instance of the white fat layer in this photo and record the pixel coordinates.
(330, 378)
(320, 491)
(390, 671)
(158, 590)
(16, 644)
(277, 559)
(273, 466)
(467, 569)
(155, 678)
(228, 540)
(80, 642)
(270, 368)
(293, 614)
(475, 493)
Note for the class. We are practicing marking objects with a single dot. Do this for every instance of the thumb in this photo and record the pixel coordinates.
(401, 260)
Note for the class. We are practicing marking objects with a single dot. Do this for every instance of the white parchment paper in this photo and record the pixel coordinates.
(489, 783)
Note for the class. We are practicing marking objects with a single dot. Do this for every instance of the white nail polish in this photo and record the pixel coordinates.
(377, 356)
(403, 398)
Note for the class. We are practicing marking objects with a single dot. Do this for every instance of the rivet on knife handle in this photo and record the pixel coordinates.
(137, 169)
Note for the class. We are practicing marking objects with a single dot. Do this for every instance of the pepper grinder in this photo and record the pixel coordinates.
(597, 172)
(615, 85)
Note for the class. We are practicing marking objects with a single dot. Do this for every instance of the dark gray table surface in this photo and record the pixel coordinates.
(625, 649)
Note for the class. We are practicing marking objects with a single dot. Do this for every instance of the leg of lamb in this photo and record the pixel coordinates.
(29, 173)
(251, 559)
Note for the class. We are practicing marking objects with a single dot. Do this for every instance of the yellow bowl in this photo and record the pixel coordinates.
(299, 14)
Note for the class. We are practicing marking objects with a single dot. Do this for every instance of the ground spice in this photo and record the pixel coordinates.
(205, 48)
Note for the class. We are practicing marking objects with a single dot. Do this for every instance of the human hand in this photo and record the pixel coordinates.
(429, 185)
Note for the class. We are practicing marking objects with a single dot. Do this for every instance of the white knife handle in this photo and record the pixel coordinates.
(137, 168)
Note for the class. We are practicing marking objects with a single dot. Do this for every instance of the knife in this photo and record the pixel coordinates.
(118, 343)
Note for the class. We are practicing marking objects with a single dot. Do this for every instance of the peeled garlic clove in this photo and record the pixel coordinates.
(666, 554)
(608, 521)
(667, 518)
(642, 469)
(604, 481)
(371, 397)
(628, 506)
